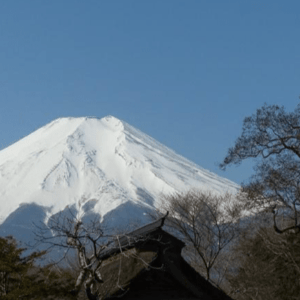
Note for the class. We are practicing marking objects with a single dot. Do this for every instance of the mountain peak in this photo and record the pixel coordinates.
(70, 122)
(111, 118)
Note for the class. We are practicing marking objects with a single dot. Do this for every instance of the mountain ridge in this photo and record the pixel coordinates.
(98, 167)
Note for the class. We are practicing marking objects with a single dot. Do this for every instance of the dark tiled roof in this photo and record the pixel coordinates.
(141, 232)
(132, 268)
(135, 236)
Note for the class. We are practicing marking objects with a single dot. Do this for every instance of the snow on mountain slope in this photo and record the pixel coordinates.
(94, 167)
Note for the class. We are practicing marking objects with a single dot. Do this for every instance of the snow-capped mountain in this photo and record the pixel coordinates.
(94, 167)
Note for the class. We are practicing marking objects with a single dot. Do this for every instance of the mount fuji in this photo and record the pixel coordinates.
(94, 167)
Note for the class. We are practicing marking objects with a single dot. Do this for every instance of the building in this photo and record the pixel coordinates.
(147, 264)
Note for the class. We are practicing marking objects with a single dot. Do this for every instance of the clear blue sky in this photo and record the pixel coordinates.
(184, 72)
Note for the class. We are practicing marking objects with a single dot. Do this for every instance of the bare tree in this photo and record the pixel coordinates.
(270, 258)
(89, 241)
(271, 137)
(206, 222)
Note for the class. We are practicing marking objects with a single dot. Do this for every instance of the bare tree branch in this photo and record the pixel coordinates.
(205, 222)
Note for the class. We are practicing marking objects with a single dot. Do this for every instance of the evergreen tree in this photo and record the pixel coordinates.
(269, 267)
(21, 278)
